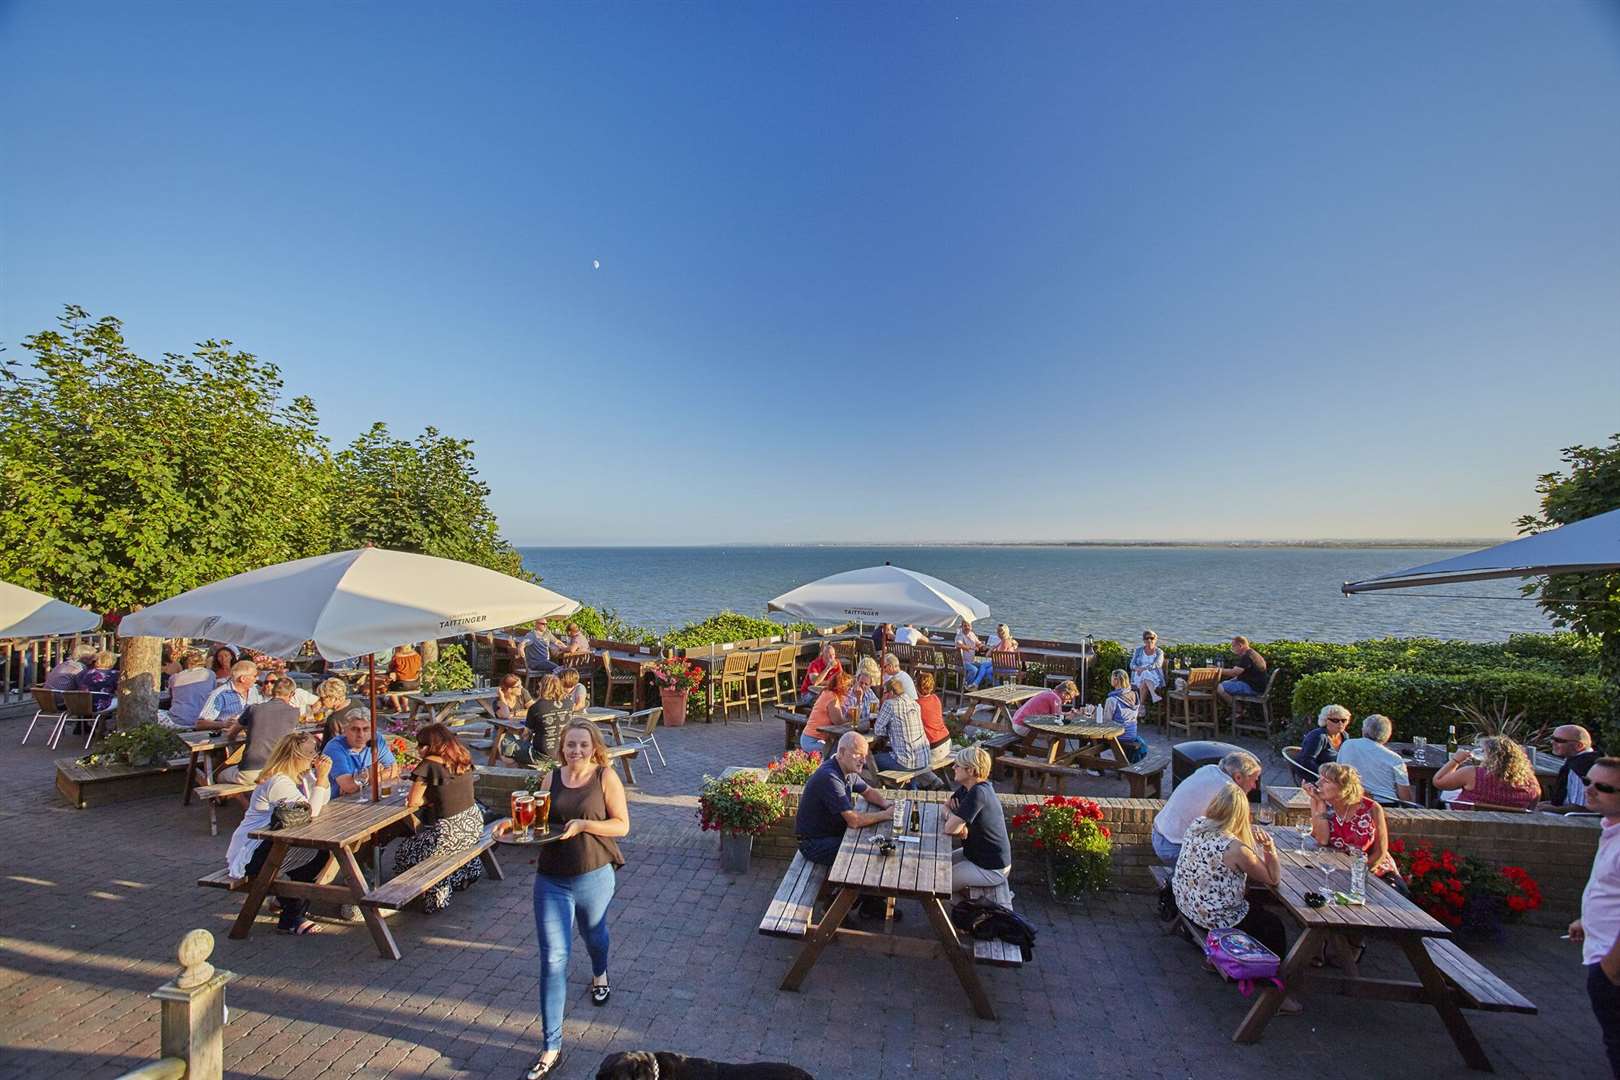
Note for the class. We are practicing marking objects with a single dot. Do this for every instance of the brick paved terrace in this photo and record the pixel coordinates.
(93, 903)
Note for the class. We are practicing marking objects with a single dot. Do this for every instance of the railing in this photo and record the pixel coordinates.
(193, 1017)
(24, 662)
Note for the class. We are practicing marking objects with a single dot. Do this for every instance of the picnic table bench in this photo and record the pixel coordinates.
(1146, 777)
(792, 727)
(213, 793)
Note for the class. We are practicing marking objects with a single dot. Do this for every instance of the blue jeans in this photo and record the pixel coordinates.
(1164, 849)
(975, 672)
(558, 902)
(1606, 1007)
(885, 759)
(1237, 688)
(812, 745)
(820, 849)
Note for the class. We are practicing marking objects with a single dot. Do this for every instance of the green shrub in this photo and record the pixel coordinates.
(729, 626)
(449, 672)
(143, 744)
(1418, 702)
(604, 624)
(1110, 655)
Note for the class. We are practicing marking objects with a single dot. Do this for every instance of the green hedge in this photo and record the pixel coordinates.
(729, 626)
(1417, 702)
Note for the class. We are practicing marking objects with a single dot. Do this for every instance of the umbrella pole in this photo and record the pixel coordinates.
(376, 728)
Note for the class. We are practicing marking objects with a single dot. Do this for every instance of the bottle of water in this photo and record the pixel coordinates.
(1358, 876)
(1451, 739)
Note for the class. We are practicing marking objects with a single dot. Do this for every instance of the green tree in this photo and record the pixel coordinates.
(125, 480)
(422, 496)
(1589, 604)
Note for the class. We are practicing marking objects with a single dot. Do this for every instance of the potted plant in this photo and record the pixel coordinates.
(677, 679)
(143, 744)
(1076, 845)
(739, 807)
(793, 767)
(1463, 892)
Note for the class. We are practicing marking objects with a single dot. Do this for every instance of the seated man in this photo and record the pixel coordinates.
(891, 670)
(819, 675)
(827, 807)
(350, 751)
(1573, 743)
(538, 645)
(910, 635)
(1382, 771)
(899, 720)
(266, 724)
(231, 698)
(1191, 797)
(1054, 703)
(189, 688)
(578, 643)
(1247, 676)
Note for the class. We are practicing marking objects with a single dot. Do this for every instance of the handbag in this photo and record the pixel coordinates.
(1242, 959)
(290, 814)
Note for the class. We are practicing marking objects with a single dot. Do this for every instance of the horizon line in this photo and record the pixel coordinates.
(1326, 542)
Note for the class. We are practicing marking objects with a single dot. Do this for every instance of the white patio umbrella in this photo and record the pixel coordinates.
(882, 594)
(349, 603)
(1591, 545)
(25, 614)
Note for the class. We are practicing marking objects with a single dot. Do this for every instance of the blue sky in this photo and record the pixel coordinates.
(867, 272)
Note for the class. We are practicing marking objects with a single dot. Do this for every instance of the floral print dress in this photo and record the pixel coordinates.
(1357, 831)
(1209, 892)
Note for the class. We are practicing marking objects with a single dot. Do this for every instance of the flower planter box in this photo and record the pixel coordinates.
(84, 787)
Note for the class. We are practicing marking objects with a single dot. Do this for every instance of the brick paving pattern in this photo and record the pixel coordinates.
(93, 903)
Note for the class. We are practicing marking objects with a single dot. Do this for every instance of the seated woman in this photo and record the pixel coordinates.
(1147, 667)
(189, 688)
(295, 773)
(330, 698)
(1121, 707)
(172, 653)
(511, 698)
(933, 721)
(1504, 778)
(974, 670)
(220, 663)
(101, 679)
(974, 814)
(1345, 818)
(1221, 854)
(861, 700)
(404, 674)
(1321, 744)
(442, 794)
(575, 694)
(545, 720)
(827, 711)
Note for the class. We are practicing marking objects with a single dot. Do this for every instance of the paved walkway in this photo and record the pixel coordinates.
(92, 904)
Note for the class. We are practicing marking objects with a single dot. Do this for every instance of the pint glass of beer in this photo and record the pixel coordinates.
(542, 811)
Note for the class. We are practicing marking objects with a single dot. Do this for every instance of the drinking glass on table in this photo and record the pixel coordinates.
(1420, 746)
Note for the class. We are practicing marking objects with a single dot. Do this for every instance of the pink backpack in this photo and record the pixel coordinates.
(1242, 959)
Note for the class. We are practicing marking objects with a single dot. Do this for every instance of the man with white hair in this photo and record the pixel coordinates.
(1573, 743)
(1382, 771)
(827, 804)
(1191, 798)
(231, 698)
(891, 670)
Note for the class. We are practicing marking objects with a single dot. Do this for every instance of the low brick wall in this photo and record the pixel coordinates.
(1556, 851)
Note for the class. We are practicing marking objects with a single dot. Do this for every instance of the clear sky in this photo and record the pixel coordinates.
(886, 272)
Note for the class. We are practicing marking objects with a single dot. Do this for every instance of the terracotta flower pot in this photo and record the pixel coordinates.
(674, 702)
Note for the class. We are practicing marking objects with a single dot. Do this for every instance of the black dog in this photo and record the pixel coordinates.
(642, 1065)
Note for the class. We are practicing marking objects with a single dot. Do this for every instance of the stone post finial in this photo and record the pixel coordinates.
(195, 949)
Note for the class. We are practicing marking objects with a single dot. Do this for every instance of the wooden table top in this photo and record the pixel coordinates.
(919, 869)
(1435, 756)
(1385, 911)
(1288, 798)
(1009, 694)
(1085, 729)
(450, 697)
(346, 821)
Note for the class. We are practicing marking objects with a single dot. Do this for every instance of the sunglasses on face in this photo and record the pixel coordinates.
(1607, 789)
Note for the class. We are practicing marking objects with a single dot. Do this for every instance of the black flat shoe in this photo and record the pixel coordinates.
(542, 1068)
(600, 994)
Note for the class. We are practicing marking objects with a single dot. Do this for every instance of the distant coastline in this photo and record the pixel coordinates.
(1358, 545)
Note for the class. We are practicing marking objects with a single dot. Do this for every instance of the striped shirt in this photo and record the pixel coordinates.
(900, 719)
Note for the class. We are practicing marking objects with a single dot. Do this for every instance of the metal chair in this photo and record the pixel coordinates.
(45, 699)
(81, 706)
(1291, 754)
(648, 719)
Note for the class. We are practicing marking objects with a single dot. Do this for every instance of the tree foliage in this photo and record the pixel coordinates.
(1589, 604)
(125, 480)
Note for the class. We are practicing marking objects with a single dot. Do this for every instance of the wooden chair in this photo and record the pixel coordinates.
(624, 675)
(1005, 667)
(45, 700)
(906, 654)
(1197, 703)
(926, 659)
(1243, 706)
(733, 684)
(787, 676)
(643, 736)
(1061, 669)
(81, 706)
(765, 681)
(952, 675)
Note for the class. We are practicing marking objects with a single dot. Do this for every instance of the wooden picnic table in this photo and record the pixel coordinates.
(1004, 700)
(210, 750)
(597, 714)
(1288, 800)
(1094, 739)
(445, 703)
(918, 871)
(344, 827)
(1420, 770)
(1386, 914)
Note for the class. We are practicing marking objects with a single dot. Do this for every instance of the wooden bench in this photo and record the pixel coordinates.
(1476, 985)
(212, 793)
(1021, 767)
(398, 891)
(899, 778)
(223, 880)
(792, 727)
(1146, 777)
(624, 755)
(994, 951)
(793, 907)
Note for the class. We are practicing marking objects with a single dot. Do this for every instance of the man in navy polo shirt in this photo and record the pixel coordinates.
(827, 807)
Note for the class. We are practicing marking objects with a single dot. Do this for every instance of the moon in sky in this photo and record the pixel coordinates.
(596, 264)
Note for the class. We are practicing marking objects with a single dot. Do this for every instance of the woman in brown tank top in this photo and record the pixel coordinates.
(575, 876)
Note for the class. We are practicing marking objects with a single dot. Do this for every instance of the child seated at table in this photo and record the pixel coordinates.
(1122, 707)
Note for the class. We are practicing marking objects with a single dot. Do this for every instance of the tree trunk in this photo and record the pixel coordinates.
(139, 667)
(429, 651)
